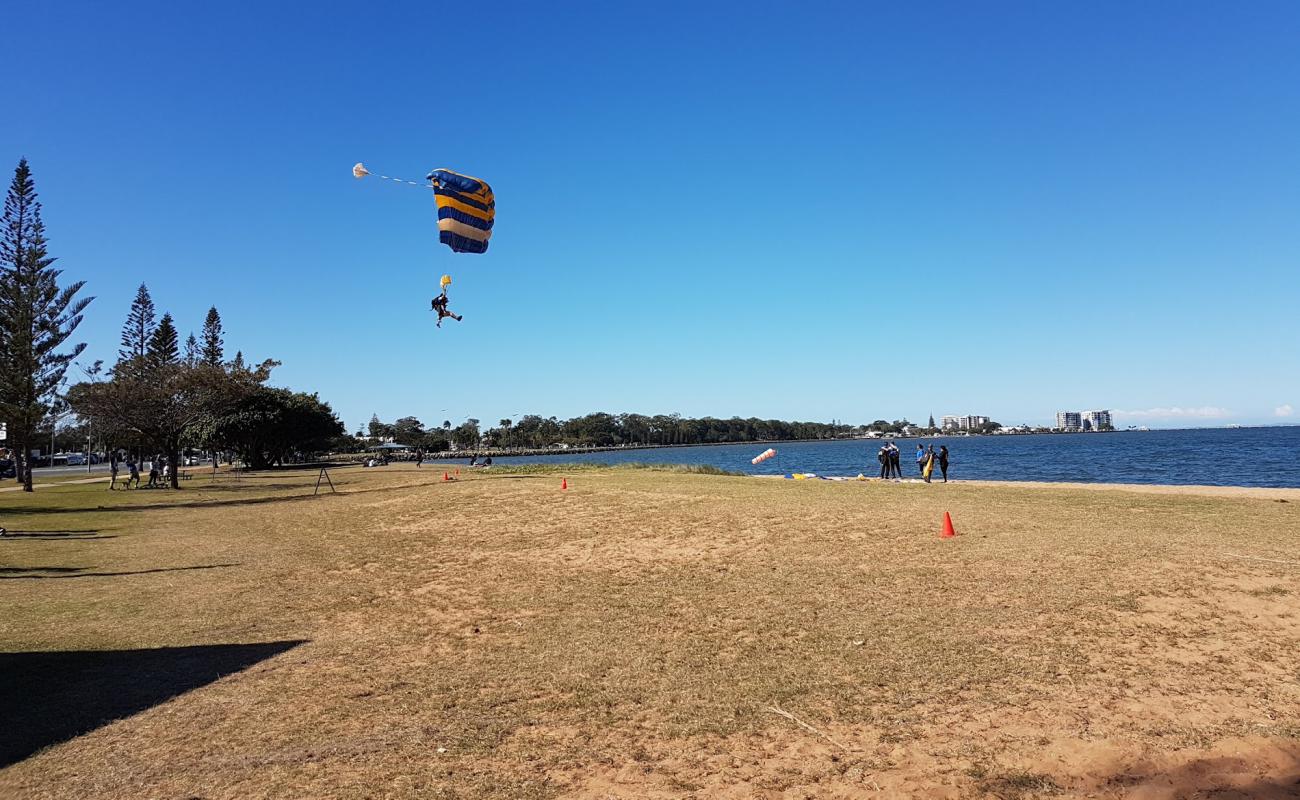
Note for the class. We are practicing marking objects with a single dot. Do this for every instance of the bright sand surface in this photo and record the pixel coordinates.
(648, 634)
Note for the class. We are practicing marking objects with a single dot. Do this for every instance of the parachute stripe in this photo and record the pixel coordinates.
(458, 211)
(468, 231)
(475, 201)
(447, 212)
(460, 244)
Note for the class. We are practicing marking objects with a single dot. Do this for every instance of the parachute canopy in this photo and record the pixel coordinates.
(466, 210)
(446, 281)
(359, 170)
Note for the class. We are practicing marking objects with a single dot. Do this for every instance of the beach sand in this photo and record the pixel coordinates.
(648, 634)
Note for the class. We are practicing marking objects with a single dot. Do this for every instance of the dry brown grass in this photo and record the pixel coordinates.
(494, 637)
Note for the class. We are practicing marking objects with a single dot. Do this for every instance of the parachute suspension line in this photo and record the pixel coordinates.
(359, 171)
(424, 185)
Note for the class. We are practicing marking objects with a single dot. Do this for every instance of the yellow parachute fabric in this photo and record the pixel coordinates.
(445, 282)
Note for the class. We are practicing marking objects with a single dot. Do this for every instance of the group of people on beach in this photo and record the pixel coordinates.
(927, 458)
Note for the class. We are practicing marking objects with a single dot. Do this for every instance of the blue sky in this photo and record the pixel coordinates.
(850, 211)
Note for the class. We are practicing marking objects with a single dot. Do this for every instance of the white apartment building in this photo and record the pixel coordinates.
(1069, 421)
(971, 422)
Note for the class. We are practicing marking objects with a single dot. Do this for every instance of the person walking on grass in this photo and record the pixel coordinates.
(943, 461)
(133, 471)
(419, 459)
(113, 464)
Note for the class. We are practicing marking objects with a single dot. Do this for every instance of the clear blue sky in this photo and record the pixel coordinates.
(852, 211)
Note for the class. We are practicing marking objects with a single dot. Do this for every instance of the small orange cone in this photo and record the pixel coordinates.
(564, 484)
(948, 531)
(446, 477)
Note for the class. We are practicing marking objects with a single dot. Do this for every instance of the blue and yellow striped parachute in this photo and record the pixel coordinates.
(466, 210)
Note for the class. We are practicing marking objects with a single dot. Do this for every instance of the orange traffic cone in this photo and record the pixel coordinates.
(564, 484)
(948, 531)
(446, 477)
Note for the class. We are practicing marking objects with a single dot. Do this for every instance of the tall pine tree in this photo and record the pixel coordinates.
(212, 352)
(191, 355)
(137, 330)
(164, 345)
(36, 319)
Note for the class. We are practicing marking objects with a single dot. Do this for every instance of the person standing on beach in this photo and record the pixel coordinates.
(943, 461)
(883, 458)
(920, 460)
(896, 461)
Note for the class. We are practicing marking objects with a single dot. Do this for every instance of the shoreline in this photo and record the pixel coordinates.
(1282, 493)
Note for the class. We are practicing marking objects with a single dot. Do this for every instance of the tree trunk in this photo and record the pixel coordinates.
(173, 458)
(23, 464)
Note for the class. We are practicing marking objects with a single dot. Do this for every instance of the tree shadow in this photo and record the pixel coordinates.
(56, 573)
(51, 697)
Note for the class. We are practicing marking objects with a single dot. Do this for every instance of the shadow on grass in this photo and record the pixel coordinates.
(56, 536)
(47, 698)
(55, 573)
(246, 501)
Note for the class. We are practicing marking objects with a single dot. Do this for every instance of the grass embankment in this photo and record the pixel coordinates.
(647, 633)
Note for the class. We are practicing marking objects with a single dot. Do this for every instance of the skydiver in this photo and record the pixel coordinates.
(440, 305)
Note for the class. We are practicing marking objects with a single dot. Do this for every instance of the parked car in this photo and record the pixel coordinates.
(7, 469)
(76, 459)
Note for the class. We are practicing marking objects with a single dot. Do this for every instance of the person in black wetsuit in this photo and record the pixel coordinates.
(440, 305)
(943, 461)
(883, 458)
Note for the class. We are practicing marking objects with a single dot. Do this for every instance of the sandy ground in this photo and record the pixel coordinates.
(647, 634)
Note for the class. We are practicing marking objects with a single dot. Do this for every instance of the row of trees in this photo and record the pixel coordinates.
(165, 398)
(606, 430)
(600, 429)
(160, 396)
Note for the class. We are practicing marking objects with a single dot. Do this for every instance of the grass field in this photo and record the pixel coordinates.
(646, 634)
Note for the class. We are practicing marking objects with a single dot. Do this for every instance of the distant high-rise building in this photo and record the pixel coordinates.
(1097, 420)
(1069, 421)
(970, 422)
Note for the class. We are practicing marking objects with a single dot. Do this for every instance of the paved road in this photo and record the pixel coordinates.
(94, 469)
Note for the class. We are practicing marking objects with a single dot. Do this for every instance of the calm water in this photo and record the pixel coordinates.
(1216, 457)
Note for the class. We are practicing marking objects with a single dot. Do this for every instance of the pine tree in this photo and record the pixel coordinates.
(191, 351)
(138, 328)
(36, 319)
(164, 345)
(931, 422)
(212, 352)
